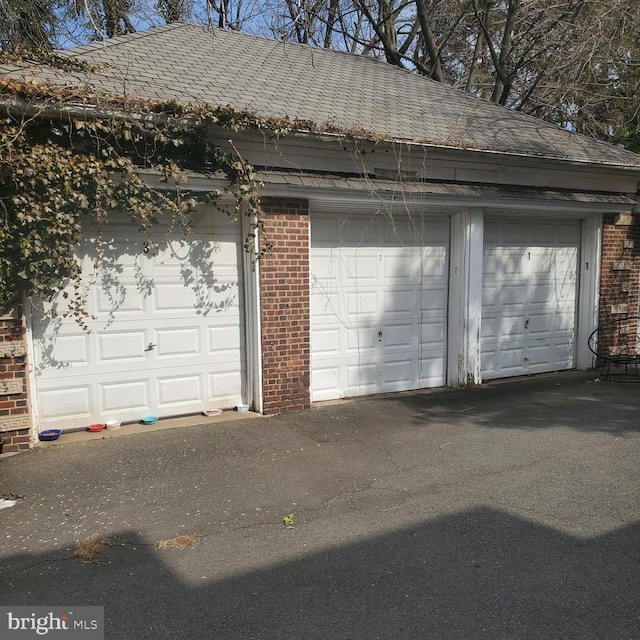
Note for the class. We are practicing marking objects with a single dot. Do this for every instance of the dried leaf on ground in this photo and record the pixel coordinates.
(90, 548)
(180, 542)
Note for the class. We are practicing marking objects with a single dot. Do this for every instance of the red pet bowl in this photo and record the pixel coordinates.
(94, 428)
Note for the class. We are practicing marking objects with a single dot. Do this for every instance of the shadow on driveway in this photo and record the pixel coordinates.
(481, 573)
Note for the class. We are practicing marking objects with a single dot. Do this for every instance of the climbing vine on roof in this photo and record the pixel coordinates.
(67, 154)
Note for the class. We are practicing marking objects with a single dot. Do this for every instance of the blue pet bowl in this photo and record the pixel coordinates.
(50, 434)
(149, 419)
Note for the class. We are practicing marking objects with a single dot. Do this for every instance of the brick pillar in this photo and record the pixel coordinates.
(284, 292)
(15, 421)
(620, 277)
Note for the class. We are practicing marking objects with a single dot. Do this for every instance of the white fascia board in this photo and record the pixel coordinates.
(436, 151)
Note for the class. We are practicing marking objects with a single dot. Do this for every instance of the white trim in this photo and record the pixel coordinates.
(465, 298)
(589, 289)
(252, 319)
(32, 396)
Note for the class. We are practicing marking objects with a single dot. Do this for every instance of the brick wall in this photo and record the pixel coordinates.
(284, 291)
(620, 278)
(15, 421)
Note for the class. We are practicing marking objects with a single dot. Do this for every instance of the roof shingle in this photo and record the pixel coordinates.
(190, 63)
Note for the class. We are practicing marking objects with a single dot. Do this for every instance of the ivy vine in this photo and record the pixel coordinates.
(69, 153)
(57, 170)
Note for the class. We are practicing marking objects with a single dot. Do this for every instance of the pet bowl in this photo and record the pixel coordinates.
(95, 428)
(50, 434)
(149, 419)
(210, 413)
(112, 425)
(243, 408)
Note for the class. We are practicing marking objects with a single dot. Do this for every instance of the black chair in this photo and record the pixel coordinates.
(616, 345)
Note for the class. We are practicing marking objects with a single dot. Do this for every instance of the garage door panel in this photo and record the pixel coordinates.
(511, 327)
(361, 376)
(399, 336)
(399, 374)
(185, 342)
(512, 233)
(432, 334)
(398, 269)
(432, 364)
(75, 402)
(565, 263)
(324, 305)
(360, 230)
(327, 381)
(504, 263)
(177, 298)
(541, 325)
(63, 352)
(323, 265)
(177, 391)
(123, 297)
(223, 384)
(541, 292)
(513, 294)
(125, 397)
(325, 231)
(121, 346)
(225, 341)
(410, 230)
(541, 260)
(326, 341)
(490, 330)
(565, 319)
(360, 304)
(433, 301)
(415, 231)
(362, 341)
(540, 355)
(528, 313)
(495, 297)
(372, 304)
(435, 264)
(400, 302)
(360, 268)
(507, 360)
(166, 318)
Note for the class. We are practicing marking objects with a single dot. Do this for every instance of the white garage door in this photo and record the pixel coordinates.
(378, 304)
(167, 338)
(529, 297)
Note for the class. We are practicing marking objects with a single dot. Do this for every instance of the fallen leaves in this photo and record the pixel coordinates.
(88, 549)
(180, 542)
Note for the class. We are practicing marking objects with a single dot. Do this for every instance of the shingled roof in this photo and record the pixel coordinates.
(193, 64)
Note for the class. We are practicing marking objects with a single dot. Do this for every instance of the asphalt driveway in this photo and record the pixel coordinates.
(510, 510)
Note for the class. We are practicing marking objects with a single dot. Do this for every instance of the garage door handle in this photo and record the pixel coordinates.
(380, 336)
(151, 347)
(526, 324)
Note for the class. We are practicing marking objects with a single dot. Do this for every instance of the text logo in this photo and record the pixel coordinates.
(86, 623)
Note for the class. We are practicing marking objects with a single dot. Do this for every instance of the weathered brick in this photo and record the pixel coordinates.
(284, 274)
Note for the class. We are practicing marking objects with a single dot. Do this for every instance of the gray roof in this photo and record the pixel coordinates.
(193, 64)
